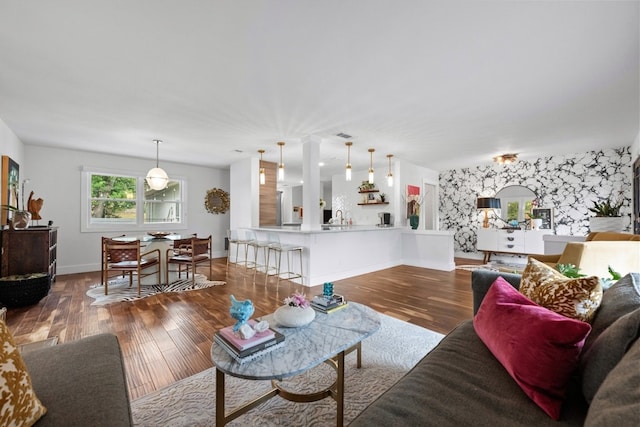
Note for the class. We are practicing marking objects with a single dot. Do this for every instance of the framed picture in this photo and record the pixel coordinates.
(547, 217)
(9, 185)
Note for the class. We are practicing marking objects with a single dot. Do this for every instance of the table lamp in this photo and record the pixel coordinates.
(487, 203)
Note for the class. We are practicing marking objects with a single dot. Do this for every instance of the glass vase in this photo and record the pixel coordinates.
(20, 220)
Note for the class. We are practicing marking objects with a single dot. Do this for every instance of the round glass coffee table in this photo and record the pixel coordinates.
(325, 340)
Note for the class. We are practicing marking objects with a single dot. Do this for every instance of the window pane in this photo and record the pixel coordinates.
(113, 212)
(113, 187)
(171, 193)
(158, 212)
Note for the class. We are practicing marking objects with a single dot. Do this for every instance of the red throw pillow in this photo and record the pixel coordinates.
(538, 347)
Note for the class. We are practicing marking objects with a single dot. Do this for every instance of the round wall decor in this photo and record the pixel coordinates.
(216, 201)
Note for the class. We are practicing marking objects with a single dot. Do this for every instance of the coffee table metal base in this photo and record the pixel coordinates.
(335, 391)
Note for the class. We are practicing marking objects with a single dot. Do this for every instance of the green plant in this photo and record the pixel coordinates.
(569, 270)
(366, 185)
(606, 208)
(382, 197)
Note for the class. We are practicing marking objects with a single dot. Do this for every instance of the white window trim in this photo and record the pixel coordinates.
(85, 211)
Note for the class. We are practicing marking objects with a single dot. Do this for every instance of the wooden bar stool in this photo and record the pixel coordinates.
(279, 248)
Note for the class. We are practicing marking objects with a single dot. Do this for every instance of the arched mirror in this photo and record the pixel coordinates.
(515, 202)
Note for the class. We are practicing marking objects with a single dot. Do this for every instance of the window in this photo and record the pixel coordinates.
(123, 201)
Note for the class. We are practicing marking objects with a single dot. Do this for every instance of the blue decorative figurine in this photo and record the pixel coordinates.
(241, 311)
(327, 289)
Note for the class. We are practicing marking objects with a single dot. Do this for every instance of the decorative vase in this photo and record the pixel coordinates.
(414, 220)
(21, 219)
(294, 317)
(536, 223)
(606, 223)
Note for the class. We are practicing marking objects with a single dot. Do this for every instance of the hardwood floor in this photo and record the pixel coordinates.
(168, 337)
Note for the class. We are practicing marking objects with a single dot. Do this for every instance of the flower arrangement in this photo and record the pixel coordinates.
(297, 300)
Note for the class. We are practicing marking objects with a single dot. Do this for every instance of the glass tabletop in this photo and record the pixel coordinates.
(306, 346)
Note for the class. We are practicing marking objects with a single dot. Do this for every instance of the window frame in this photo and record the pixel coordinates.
(85, 203)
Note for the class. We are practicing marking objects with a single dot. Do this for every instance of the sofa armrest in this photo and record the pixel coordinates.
(81, 383)
(481, 281)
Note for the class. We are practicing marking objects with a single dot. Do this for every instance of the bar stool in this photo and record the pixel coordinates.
(279, 248)
(256, 244)
(234, 238)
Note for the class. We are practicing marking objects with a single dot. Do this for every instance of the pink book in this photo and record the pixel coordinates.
(241, 344)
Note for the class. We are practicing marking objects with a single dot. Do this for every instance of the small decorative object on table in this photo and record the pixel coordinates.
(295, 313)
(241, 311)
(328, 304)
(327, 289)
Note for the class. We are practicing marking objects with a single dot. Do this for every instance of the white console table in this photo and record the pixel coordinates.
(508, 241)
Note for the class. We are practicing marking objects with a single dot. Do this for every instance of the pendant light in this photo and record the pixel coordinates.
(371, 150)
(157, 179)
(262, 175)
(389, 175)
(347, 175)
(281, 165)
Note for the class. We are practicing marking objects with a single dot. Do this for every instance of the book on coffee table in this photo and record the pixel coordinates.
(329, 309)
(242, 344)
(252, 352)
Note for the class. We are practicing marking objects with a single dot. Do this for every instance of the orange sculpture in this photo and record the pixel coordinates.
(34, 206)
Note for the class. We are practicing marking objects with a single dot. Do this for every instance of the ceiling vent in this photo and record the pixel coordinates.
(344, 135)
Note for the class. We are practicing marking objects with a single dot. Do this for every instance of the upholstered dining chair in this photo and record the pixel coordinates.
(186, 254)
(128, 258)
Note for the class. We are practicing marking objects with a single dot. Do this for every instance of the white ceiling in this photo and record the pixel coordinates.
(443, 84)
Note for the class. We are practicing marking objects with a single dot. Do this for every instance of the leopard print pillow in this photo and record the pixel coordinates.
(19, 405)
(576, 298)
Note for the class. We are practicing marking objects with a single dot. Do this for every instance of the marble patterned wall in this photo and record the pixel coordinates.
(569, 184)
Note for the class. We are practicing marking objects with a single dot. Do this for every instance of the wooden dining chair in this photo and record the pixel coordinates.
(186, 254)
(128, 258)
(104, 255)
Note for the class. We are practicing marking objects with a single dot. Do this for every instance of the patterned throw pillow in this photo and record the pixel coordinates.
(19, 404)
(576, 298)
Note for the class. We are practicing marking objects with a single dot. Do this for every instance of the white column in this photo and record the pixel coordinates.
(311, 188)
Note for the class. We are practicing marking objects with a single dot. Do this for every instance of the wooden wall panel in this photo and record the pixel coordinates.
(268, 193)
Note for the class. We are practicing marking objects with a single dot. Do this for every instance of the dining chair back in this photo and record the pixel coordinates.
(186, 254)
(128, 258)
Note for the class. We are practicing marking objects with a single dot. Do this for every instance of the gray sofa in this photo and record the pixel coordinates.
(460, 383)
(81, 383)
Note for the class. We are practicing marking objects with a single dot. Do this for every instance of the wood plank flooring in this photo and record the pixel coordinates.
(168, 337)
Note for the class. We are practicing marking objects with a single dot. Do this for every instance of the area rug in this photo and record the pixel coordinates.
(386, 356)
(119, 289)
(474, 267)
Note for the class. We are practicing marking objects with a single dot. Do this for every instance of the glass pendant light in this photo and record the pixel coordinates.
(389, 175)
(347, 175)
(157, 179)
(371, 150)
(262, 175)
(281, 165)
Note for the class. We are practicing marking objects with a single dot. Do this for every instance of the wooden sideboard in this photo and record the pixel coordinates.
(508, 241)
(33, 250)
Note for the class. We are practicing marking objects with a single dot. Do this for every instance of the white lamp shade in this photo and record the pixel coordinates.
(348, 173)
(157, 179)
(390, 180)
(371, 177)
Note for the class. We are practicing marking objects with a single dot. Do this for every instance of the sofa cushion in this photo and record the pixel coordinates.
(617, 402)
(460, 383)
(82, 383)
(621, 298)
(578, 298)
(19, 404)
(607, 350)
(538, 347)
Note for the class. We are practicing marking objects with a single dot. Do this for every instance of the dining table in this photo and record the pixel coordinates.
(162, 241)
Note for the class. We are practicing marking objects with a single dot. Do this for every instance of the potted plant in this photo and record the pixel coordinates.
(607, 215)
(535, 221)
(20, 218)
(383, 197)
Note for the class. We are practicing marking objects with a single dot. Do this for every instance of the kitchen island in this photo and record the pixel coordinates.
(338, 252)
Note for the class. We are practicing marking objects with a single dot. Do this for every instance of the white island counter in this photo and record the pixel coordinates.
(339, 252)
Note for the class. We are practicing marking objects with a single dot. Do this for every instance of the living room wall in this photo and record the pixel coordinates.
(569, 184)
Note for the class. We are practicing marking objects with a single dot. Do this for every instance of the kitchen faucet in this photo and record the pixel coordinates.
(341, 219)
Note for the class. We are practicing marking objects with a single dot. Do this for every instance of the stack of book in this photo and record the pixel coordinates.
(325, 304)
(246, 350)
